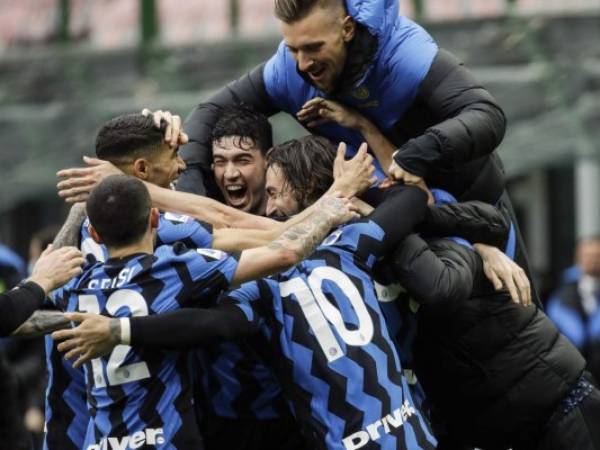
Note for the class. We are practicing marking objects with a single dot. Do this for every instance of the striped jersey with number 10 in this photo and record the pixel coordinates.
(330, 347)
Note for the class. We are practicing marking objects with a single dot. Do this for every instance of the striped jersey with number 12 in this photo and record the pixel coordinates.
(140, 397)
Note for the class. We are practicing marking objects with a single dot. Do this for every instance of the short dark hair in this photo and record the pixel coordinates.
(128, 136)
(290, 11)
(118, 209)
(306, 165)
(244, 122)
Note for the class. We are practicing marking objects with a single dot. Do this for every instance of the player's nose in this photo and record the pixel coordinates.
(271, 208)
(304, 62)
(231, 171)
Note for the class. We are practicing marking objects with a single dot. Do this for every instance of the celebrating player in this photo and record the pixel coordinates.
(151, 394)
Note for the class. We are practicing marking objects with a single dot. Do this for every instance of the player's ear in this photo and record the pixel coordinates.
(154, 217)
(94, 234)
(348, 28)
(141, 169)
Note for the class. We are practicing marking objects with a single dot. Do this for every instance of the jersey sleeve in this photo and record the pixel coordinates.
(18, 304)
(92, 251)
(401, 210)
(190, 327)
(180, 228)
(211, 272)
(246, 299)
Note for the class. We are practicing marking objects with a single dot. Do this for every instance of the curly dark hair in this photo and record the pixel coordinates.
(244, 122)
(306, 165)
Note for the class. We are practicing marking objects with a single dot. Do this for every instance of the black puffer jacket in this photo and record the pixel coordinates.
(493, 369)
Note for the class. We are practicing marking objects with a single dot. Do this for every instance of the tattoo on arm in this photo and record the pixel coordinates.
(69, 233)
(42, 322)
(304, 237)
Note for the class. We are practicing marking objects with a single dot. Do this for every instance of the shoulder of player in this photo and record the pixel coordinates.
(179, 251)
(349, 235)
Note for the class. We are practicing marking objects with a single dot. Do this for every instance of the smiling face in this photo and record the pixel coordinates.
(239, 169)
(281, 199)
(318, 44)
(160, 166)
(165, 166)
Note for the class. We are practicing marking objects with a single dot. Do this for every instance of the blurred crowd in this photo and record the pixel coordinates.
(23, 360)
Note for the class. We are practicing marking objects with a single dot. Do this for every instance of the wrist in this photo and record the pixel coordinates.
(44, 282)
(120, 331)
(363, 125)
(125, 328)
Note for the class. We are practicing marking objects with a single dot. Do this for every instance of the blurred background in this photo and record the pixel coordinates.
(66, 66)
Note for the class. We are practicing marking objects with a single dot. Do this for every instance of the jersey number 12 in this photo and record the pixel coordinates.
(116, 372)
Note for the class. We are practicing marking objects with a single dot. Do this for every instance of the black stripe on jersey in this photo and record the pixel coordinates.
(243, 373)
(149, 407)
(286, 366)
(62, 415)
(150, 286)
(367, 246)
(188, 435)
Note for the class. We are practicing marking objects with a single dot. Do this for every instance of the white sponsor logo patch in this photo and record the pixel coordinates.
(211, 253)
(150, 436)
(382, 426)
(176, 217)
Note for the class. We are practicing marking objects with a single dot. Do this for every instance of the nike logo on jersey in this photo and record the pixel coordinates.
(150, 436)
(387, 424)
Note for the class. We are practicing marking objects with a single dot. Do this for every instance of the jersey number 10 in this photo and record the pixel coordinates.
(116, 372)
(319, 311)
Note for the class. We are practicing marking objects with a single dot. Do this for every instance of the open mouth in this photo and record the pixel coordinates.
(316, 75)
(236, 194)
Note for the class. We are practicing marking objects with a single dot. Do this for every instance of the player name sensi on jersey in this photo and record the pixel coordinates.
(139, 439)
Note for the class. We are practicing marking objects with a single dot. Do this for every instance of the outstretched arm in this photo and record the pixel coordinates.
(52, 270)
(443, 276)
(294, 244)
(474, 221)
(70, 232)
(187, 328)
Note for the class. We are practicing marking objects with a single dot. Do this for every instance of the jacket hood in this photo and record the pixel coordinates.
(376, 20)
(378, 16)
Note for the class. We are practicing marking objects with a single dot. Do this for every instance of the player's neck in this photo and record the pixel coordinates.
(146, 245)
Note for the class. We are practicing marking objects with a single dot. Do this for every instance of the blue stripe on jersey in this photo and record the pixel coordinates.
(71, 383)
(338, 364)
(238, 383)
(66, 413)
(157, 400)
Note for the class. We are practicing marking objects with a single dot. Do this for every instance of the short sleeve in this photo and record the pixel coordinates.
(180, 228)
(211, 270)
(245, 298)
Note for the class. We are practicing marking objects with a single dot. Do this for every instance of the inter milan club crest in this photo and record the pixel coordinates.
(361, 93)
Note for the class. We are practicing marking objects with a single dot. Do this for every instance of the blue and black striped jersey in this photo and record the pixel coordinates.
(143, 397)
(331, 349)
(67, 415)
(236, 384)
